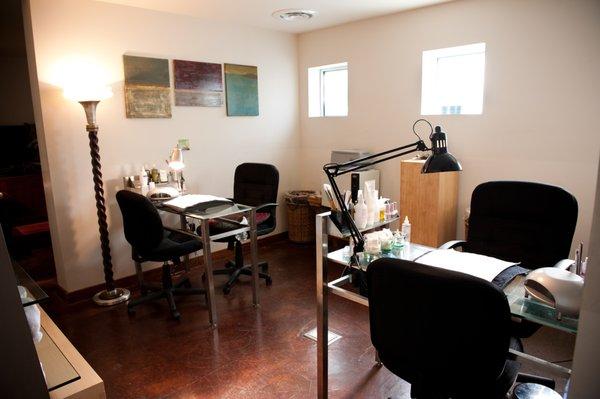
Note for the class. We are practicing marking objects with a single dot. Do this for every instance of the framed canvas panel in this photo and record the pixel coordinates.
(147, 87)
(241, 89)
(198, 84)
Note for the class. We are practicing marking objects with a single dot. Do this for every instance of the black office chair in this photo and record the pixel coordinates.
(152, 242)
(445, 333)
(531, 223)
(255, 184)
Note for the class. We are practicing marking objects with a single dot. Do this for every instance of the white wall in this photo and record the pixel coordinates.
(104, 32)
(541, 103)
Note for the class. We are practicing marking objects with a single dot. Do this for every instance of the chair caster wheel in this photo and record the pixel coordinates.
(226, 290)
(269, 281)
(130, 311)
(177, 316)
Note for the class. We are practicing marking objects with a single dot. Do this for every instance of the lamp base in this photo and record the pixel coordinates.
(109, 298)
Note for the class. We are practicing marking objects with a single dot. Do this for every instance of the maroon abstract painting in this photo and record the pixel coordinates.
(198, 84)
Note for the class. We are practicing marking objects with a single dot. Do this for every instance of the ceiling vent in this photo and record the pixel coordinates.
(294, 14)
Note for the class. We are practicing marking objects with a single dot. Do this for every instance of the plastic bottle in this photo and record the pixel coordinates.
(144, 181)
(154, 174)
(360, 212)
(144, 178)
(398, 240)
(375, 206)
(370, 207)
(406, 230)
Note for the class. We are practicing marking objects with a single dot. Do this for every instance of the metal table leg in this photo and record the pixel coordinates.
(254, 256)
(210, 284)
(186, 258)
(322, 316)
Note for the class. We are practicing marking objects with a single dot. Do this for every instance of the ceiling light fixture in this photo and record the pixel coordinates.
(292, 14)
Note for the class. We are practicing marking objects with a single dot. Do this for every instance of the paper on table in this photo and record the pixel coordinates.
(481, 266)
(184, 202)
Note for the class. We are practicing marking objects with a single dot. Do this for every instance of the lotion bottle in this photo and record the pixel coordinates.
(406, 230)
(360, 212)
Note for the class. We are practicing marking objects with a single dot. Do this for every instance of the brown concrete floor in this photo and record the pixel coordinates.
(255, 353)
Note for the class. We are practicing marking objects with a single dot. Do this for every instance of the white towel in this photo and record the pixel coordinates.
(481, 266)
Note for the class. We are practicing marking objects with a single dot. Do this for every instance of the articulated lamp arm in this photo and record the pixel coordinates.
(332, 170)
(440, 160)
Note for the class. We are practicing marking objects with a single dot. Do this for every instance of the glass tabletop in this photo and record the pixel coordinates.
(520, 306)
(214, 212)
(29, 290)
(533, 310)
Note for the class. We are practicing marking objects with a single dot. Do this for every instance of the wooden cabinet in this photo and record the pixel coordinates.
(430, 202)
(67, 374)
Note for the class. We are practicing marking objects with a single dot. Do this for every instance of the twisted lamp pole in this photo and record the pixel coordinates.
(110, 295)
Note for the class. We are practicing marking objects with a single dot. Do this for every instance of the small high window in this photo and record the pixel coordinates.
(328, 90)
(453, 80)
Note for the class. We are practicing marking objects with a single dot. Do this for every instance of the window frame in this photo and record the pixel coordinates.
(429, 79)
(322, 70)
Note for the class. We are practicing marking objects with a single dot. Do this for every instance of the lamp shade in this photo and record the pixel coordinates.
(440, 159)
(176, 159)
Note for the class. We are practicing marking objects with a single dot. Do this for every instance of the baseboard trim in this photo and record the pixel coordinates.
(130, 281)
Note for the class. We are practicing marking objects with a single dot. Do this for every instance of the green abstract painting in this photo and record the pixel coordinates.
(147, 87)
(241, 89)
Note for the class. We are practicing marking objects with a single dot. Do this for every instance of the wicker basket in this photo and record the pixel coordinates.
(301, 215)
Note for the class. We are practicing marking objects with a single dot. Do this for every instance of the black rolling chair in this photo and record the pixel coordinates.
(255, 184)
(152, 242)
(445, 333)
(531, 223)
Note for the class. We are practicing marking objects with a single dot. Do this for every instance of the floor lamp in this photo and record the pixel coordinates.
(111, 295)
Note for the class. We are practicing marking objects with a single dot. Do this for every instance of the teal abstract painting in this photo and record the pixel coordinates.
(241, 89)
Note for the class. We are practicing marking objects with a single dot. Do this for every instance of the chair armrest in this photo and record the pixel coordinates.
(564, 264)
(452, 244)
(269, 206)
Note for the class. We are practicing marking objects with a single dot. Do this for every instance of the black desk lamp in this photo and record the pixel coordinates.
(440, 160)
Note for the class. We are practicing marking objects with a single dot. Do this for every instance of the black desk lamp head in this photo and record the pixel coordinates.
(440, 160)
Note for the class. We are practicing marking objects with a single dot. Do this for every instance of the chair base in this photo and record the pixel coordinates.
(235, 272)
(167, 290)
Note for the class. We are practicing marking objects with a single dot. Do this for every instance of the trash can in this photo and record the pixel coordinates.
(301, 212)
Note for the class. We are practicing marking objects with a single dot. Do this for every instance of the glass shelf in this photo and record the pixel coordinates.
(334, 231)
(29, 290)
(409, 251)
(58, 371)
